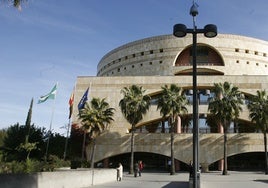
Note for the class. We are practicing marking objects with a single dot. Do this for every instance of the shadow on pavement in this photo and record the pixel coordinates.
(176, 184)
(263, 181)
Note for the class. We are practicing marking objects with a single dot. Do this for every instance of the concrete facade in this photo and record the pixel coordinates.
(162, 60)
(66, 178)
(157, 56)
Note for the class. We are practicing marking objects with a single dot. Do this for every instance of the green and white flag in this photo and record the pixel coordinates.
(50, 95)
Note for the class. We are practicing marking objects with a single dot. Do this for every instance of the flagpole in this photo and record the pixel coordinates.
(66, 141)
(84, 135)
(71, 101)
(50, 126)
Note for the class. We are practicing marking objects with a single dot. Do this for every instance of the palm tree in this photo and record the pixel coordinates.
(258, 108)
(95, 118)
(225, 106)
(17, 3)
(172, 103)
(134, 105)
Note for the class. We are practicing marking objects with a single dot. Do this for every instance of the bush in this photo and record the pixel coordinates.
(55, 162)
(31, 166)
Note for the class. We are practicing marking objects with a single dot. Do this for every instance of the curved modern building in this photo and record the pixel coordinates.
(163, 60)
(169, 56)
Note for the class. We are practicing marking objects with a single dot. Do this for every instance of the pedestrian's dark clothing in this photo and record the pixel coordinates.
(191, 170)
(136, 169)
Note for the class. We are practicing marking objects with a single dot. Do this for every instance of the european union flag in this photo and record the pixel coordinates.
(83, 100)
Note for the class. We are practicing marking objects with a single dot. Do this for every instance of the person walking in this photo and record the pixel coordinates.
(140, 167)
(136, 169)
(119, 172)
(169, 165)
(191, 169)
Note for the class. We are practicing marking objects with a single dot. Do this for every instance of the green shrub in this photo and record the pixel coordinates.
(55, 162)
(31, 166)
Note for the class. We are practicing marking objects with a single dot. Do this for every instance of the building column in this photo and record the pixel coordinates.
(178, 127)
(204, 167)
(106, 163)
(220, 129)
(220, 163)
(177, 165)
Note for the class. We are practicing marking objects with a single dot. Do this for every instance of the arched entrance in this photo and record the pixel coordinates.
(152, 162)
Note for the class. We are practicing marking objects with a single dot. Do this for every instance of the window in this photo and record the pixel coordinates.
(151, 63)
(236, 50)
(246, 51)
(142, 53)
(133, 55)
(201, 55)
(160, 62)
(264, 55)
(256, 53)
(141, 64)
(151, 51)
(161, 50)
(237, 61)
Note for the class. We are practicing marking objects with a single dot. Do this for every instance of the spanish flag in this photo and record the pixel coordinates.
(71, 103)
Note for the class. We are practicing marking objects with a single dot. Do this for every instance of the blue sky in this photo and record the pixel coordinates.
(52, 41)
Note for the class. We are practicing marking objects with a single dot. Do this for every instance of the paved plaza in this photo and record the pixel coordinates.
(180, 180)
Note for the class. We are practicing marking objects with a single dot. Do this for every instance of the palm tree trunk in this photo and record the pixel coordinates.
(83, 146)
(93, 153)
(224, 172)
(131, 166)
(172, 170)
(265, 151)
(163, 126)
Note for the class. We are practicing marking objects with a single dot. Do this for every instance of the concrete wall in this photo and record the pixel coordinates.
(210, 145)
(157, 56)
(59, 179)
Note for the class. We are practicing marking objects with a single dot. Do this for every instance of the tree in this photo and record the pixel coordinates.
(28, 146)
(225, 106)
(17, 3)
(172, 103)
(95, 118)
(134, 105)
(2, 136)
(258, 112)
(28, 121)
(11, 147)
(76, 138)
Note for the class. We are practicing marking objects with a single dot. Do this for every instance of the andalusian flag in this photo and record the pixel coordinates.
(71, 103)
(50, 95)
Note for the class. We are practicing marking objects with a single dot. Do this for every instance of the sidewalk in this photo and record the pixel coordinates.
(180, 180)
(234, 180)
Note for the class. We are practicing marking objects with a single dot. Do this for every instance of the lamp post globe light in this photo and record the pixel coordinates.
(209, 31)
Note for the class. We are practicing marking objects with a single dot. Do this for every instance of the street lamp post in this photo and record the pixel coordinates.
(210, 31)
